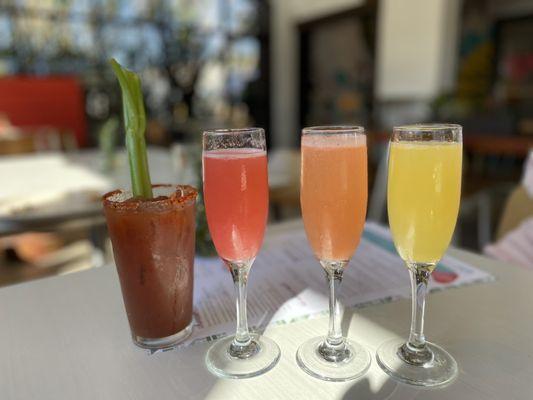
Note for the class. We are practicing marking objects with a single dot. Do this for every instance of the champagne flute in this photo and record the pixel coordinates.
(424, 190)
(236, 204)
(333, 199)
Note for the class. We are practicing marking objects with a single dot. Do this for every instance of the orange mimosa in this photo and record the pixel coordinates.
(333, 199)
(334, 193)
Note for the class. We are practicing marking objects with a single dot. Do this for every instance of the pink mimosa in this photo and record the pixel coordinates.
(236, 201)
(334, 193)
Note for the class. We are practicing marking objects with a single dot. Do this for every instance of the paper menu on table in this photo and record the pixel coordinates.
(287, 283)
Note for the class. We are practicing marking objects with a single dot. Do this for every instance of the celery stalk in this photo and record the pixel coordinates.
(134, 125)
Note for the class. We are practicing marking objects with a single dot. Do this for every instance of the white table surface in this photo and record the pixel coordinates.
(67, 338)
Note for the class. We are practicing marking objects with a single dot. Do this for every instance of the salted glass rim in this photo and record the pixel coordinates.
(122, 200)
(334, 129)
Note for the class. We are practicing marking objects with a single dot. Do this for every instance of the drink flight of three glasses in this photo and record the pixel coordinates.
(153, 243)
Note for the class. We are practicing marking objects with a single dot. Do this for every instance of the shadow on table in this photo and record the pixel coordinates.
(398, 327)
(389, 390)
(362, 390)
(388, 324)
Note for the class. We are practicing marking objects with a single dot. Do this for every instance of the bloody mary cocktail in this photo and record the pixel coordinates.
(153, 244)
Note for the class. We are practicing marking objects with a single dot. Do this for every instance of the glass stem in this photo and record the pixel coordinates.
(415, 350)
(334, 347)
(419, 282)
(242, 345)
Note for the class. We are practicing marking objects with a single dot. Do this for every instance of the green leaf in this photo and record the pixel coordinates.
(134, 125)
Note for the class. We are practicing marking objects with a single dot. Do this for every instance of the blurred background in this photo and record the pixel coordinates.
(278, 64)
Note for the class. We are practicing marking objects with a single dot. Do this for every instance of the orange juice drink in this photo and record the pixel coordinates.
(334, 192)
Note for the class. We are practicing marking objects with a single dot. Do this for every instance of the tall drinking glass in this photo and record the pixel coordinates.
(236, 204)
(153, 243)
(333, 199)
(424, 190)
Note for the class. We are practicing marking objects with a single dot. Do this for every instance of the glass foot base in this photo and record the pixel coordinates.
(441, 370)
(222, 364)
(353, 366)
(164, 342)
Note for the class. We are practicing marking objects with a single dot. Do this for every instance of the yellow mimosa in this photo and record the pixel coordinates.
(424, 190)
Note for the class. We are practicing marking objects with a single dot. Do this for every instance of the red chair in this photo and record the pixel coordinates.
(52, 101)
